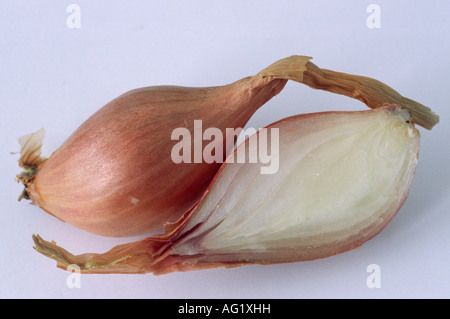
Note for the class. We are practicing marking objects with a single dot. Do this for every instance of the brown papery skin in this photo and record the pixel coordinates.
(114, 176)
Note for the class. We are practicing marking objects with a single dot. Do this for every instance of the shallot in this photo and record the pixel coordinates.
(342, 177)
(114, 175)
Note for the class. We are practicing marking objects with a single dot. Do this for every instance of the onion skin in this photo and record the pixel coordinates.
(196, 241)
(114, 176)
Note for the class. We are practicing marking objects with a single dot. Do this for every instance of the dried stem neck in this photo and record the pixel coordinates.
(135, 257)
(26, 177)
(30, 159)
(371, 92)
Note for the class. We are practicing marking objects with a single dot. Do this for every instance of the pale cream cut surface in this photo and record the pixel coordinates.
(345, 182)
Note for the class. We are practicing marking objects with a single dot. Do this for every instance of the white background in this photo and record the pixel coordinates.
(55, 77)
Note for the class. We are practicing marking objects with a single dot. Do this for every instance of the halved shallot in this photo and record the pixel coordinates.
(114, 175)
(342, 177)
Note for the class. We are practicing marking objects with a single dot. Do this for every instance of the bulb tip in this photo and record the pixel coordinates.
(400, 111)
